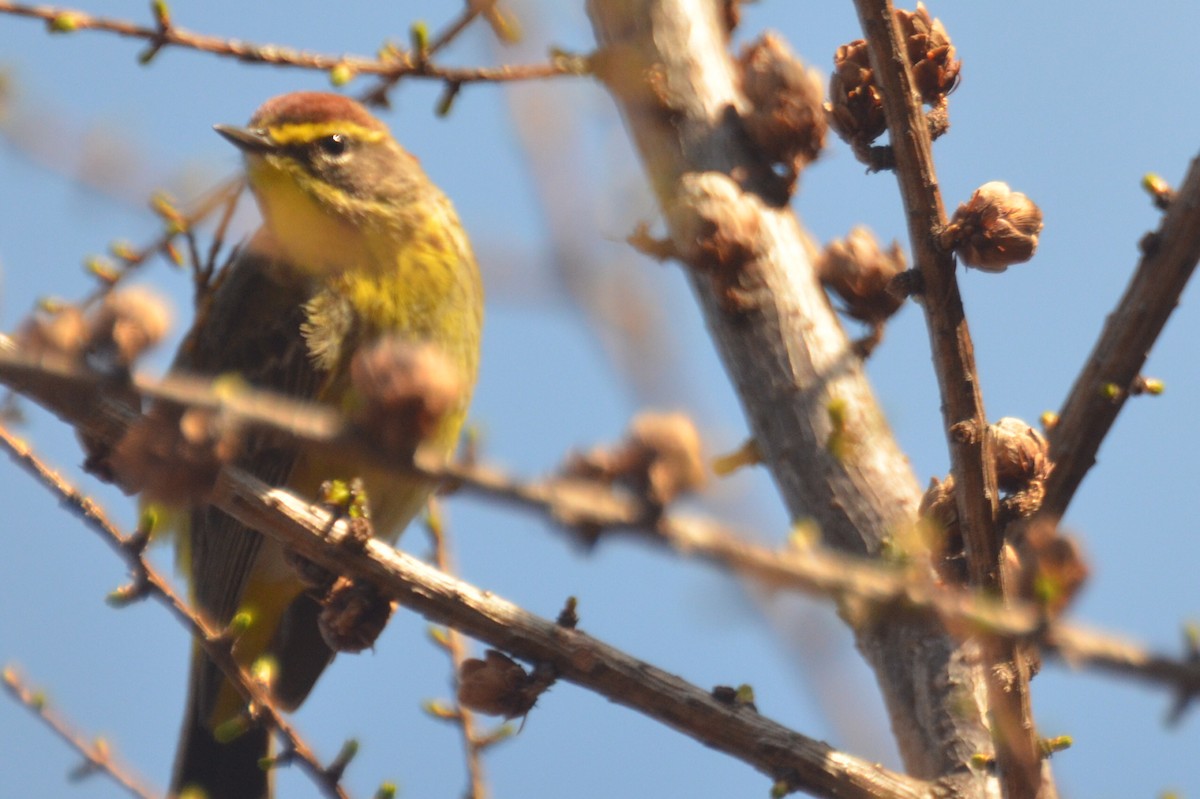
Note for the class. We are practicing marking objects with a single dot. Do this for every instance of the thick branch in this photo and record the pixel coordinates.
(667, 66)
(801, 762)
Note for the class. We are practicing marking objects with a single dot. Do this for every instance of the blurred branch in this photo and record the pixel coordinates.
(667, 65)
(399, 65)
(218, 645)
(799, 762)
(98, 758)
(966, 426)
(1169, 256)
(589, 509)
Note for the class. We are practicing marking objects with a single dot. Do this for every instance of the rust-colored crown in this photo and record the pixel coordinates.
(298, 108)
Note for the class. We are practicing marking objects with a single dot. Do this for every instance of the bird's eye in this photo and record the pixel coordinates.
(333, 145)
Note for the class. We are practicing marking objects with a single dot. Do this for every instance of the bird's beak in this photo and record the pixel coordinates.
(247, 140)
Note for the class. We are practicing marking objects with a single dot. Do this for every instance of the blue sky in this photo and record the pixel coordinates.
(1067, 103)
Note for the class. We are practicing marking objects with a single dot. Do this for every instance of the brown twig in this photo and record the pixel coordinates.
(1015, 737)
(1169, 256)
(98, 758)
(65, 20)
(148, 582)
(456, 647)
(784, 755)
(575, 504)
(223, 196)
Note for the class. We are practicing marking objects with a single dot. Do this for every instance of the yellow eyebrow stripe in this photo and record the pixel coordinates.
(304, 132)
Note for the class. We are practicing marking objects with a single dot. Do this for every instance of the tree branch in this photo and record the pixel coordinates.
(1169, 256)
(966, 425)
(801, 762)
(97, 755)
(400, 65)
(147, 582)
(666, 64)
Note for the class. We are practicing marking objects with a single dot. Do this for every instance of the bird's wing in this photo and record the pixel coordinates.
(248, 326)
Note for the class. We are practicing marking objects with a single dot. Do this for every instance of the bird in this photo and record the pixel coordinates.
(356, 247)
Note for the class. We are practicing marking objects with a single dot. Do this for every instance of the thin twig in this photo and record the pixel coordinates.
(223, 196)
(456, 646)
(966, 425)
(471, 10)
(96, 753)
(1169, 256)
(148, 582)
(65, 20)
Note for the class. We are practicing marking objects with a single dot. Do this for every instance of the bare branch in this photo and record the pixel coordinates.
(667, 66)
(801, 762)
(966, 424)
(1169, 256)
(403, 65)
(147, 581)
(587, 509)
(788, 757)
(98, 758)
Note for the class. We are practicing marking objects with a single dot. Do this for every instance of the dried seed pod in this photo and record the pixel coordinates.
(786, 119)
(939, 511)
(60, 330)
(859, 272)
(997, 227)
(1021, 454)
(497, 686)
(127, 323)
(172, 455)
(405, 392)
(855, 105)
(1060, 567)
(931, 54)
(659, 458)
(353, 615)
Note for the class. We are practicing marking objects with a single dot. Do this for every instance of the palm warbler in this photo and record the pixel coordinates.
(356, 245)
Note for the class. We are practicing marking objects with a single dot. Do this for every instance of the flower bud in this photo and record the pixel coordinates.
(997, 227)
(860, 273)
(786, 119)
(855, 105)
(934, 67)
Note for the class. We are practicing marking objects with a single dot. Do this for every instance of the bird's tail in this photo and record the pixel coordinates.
(206, 767)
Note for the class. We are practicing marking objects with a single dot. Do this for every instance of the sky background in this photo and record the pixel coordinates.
(1066, 102)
